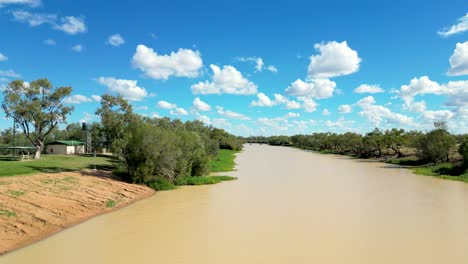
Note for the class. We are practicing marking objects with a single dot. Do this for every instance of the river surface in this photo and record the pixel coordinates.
(288, 206)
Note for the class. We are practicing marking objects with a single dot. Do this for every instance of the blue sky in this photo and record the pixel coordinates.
(250, 67)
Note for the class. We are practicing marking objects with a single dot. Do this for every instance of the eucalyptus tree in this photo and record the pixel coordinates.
(37, 108)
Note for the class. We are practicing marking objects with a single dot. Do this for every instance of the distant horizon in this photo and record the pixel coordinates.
(253, 69)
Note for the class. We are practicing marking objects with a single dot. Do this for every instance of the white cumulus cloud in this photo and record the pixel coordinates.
(227, 80)
(231, 114)
(460, 27)
(166, 105)
(199, 105)
(369, 88)
(183, 63)
(179, 112)
(345, 109)
(318, 89)
(128, 89)
(71, 25)
(79, 99)
(335, 59)
(115, 40)
(459, 60)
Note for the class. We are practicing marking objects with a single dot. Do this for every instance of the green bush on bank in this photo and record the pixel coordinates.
(160, 151)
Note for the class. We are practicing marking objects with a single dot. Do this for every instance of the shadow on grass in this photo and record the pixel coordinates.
(451, 171)
(43, 169)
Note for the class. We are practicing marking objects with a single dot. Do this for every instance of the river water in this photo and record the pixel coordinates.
(288, 206)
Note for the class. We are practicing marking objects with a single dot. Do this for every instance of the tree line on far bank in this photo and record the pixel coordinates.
(395, 145)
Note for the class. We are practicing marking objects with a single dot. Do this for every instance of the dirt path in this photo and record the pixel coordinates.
(33, 207)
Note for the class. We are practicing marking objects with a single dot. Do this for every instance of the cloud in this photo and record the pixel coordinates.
(77, 48)
(183, 63)
(459, 60)
(3, 57)
(263, 100)
(231, 114)
(199, 105)
(71, 25)
(460, 27)
(325, 112)
(221, 123)
(308, 104)
(166, 105)
(289, 104)
(272, 68)
(96, 98)
(225, 81)
(205, 119)
(259, 64)
(345, 109)
(341, 124)
(115, 40)
(9, 73)
(318, 89)
(79, 99)
(68, 24)
(457, 91)
(50, 42)
(369, 88)
(32, 19)
(376, 114)
(128, 89)
(31, 3)
(335, 59)
(178, 112)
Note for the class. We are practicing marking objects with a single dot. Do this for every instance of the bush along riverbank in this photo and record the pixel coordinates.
(435, 153)
(164, 153)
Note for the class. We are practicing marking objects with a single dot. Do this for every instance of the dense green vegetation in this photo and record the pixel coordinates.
(224, 161)
(159, 151)
(437, 152)
(53, 163)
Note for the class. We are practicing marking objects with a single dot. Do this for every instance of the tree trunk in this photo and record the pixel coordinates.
(39, 147)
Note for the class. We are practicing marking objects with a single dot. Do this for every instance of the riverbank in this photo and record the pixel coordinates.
(36, 206)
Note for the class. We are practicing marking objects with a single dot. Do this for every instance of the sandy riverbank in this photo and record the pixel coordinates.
(36, 206)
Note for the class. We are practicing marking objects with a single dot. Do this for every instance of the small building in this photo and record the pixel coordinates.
(66, 147)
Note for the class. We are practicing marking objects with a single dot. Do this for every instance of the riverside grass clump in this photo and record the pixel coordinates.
(162, 184)
(161, 152)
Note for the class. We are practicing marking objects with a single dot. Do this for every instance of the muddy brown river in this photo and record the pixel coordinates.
(288, 206)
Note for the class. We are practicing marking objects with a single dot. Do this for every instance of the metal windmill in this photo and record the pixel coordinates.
(85, 127)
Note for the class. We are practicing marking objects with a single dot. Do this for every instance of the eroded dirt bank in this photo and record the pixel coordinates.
(33, 207)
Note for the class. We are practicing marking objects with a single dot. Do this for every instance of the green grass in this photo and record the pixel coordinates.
(444, 171)
(224, 161)
(161, 184)
(7, 213)
(110, 203)
(202, 180)
(54, 163)
(15, 193)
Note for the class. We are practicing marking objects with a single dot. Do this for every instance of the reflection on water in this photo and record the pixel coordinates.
(288, 206)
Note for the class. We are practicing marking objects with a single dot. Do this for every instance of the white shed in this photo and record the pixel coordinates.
(66, 147)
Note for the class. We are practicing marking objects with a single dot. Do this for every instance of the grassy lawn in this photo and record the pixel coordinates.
(224, 162)
(53, 163)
